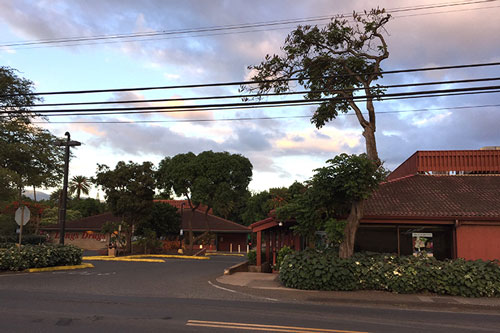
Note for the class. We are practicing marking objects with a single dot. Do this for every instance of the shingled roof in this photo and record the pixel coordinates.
(93, 223)
(217, 224)
(437, 196)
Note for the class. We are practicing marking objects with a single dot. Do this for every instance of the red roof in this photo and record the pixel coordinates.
(179, 203)
(93, 223)
(437, 196)
(217, 224)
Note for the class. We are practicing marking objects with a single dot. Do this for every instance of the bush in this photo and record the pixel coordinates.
(312, 269)
(282, 253)
(35, 256)
(26, 239)
(252, 257)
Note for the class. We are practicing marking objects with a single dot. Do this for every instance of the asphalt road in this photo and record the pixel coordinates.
(182, 295)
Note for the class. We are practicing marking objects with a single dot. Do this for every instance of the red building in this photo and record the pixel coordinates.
(451, 198)
(446, 203)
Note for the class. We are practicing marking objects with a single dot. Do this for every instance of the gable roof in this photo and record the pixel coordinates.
(217, 224)
(93, 223)
(183, 203)
(437, 196)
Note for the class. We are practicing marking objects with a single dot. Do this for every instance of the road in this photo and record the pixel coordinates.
(183, 296)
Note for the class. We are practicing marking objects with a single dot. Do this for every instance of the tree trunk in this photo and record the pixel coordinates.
(190, 225)
(34, 193)
(346, 248)
(371, 144)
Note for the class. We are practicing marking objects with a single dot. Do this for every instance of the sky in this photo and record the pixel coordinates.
(280, 150)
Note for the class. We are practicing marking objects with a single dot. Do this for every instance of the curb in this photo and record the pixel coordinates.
(167, 256)
(58, 268)
(241, 267)
(106, 258)
(225, 254)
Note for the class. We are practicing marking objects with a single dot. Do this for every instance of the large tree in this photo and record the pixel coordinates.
(28, 156)
(341, 186)
(211, 179)
(335, 64)
(16, 96)
(129, 191)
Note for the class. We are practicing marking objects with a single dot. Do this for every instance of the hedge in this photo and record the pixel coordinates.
(36, 256)
(25, 240)
(314, 270)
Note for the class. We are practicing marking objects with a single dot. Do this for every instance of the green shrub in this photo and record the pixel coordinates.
(26, 239)
(312, 269)
(35, 256)
(282, 253)
(252, 257)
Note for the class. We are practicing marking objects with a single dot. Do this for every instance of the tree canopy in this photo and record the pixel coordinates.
(16, 96)
(214, 179)
(79, 185)
(129, 190)
(332, 63)
(330, 194)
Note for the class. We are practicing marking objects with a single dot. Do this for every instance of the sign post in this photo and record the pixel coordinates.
(22, 217)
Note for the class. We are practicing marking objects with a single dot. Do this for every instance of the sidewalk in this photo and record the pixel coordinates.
(270, 282)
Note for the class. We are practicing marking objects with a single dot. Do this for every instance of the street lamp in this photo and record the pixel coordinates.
(62, 208)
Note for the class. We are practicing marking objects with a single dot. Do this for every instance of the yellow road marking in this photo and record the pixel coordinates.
(225, 254)
(59, 268)
(166, 256)
(122, 259)
(258, 327)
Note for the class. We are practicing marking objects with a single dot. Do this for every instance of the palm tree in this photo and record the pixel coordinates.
(79, 184)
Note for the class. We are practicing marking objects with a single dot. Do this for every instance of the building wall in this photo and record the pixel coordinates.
(478, 242)
(224, 242)
(82, 239)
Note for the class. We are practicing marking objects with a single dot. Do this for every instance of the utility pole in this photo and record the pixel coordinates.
(62, 207)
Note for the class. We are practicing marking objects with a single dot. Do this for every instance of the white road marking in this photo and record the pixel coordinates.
(237, 292)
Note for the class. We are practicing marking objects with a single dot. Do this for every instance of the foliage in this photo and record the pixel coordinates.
(149, 241)
(79, 185)
(330, 193)
(28, 155)
(87, 206)
(215, 179)
(314, 270)
(28, 239)
(116, 231)
(34, 256)
(129, 190)
(164, 220)
(51, 215)
(16, 95)
(332, 64)
(282, 253)
(7, 225)
(252, 257)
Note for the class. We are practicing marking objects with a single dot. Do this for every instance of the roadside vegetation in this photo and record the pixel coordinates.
(13, 258)
(323, 270)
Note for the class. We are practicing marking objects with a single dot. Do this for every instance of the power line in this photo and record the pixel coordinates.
(262, 118)
(221, 105)
(234, 27)
(226, 107)
(240, 83)
(139, 101)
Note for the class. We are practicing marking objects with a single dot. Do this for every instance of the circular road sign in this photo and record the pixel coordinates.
(22, 215)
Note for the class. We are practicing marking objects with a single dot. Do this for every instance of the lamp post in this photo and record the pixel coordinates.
(62, 208)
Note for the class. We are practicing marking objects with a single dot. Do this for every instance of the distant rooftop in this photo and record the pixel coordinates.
(450, 162)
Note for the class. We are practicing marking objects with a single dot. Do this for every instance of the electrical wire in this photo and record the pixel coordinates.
(139, 101)
(261, 118)
(245, 83)
(126, 36)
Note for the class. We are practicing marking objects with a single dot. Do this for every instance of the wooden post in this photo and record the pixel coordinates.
(268, 246)
(274, 248)
(259, 248)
